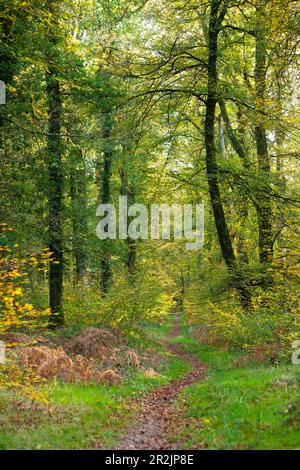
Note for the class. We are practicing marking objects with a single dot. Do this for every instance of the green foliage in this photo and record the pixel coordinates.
(132, 83)
(16, 313)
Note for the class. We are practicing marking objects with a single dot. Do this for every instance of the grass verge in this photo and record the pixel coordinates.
(254, 407)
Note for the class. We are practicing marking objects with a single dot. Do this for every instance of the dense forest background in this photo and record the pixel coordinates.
(162, 102)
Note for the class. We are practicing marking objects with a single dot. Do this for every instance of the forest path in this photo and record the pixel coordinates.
(153, 427)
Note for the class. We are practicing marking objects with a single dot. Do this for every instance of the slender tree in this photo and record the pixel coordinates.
(264, 210)
(107, 125)
(78, 192)
(55, 176)
(217, 14)
(127, 189)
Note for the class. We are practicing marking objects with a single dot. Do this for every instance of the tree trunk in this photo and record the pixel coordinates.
(8, 61)
(264, 210)
(225, 242)
(211, 164)
(128, 190)
(79, 212)
(105, 196)
(55, 198)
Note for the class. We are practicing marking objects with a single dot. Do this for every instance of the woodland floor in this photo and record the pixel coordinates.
(198, 398)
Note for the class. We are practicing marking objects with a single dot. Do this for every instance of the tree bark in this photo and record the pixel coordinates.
(264, 209)
(209, 128)
(216, 18)
(79, 212)
(105, 196)
(8, 62)
(55, 181)
(128, 190)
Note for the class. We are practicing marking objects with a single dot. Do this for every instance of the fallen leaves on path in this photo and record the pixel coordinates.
(159, 418)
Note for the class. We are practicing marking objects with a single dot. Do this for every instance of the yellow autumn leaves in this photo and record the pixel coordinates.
(16, 312)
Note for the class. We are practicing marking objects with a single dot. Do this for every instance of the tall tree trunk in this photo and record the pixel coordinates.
(128, 190)
(264, 202)
(79, 212)
(105, 196)
(6, 74)
(8, 61)
(216, 18)
(209, 127)
(239, 148)
(55, 182)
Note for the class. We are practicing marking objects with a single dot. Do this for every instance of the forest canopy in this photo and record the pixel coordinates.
(149, 224)
(161, 102)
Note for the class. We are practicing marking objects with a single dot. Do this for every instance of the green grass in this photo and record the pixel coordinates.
(255, 407)
(83, 416)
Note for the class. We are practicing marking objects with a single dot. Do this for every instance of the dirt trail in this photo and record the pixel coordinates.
(152, 428)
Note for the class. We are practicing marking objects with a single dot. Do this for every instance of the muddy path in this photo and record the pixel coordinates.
(152, 429)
